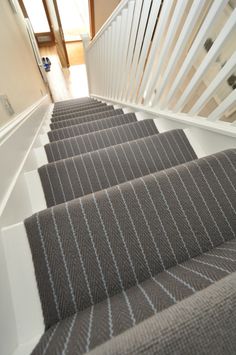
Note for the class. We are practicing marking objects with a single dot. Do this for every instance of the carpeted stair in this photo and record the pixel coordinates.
(138, 252)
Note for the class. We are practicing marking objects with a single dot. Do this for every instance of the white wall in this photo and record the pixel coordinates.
(102, 10)
(20, 79)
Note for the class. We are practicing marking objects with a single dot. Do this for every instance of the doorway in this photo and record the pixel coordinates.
(67, 75)
(59, 23)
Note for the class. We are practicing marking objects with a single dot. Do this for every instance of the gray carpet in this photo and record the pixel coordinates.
(92, 123)
(93, 110)
(77, 109)
(112, 259)
(78, 176)
(137, 254)
(100, 136)
(86, 118)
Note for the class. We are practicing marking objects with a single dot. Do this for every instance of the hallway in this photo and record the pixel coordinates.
(67, 83)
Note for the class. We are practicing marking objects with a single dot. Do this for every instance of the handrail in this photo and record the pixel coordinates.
(106, 24)
(173, 56)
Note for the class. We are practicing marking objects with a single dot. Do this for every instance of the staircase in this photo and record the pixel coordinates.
(133, 239)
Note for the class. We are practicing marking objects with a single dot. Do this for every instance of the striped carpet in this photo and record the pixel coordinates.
(136, 227)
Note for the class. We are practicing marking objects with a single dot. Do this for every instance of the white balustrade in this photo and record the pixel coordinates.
(152, 54)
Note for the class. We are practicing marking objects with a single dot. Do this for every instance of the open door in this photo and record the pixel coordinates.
(53, 13)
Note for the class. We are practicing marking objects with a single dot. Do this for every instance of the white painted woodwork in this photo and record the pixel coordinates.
(226, 105)
(215, 50)
(146, 43)
(162, 58)
(136, 57)
(36, 194)
(158, 36)
(187, 29)
(226, 71)
(213, 14)
(127, 36)
(139, 44)
(23, 286)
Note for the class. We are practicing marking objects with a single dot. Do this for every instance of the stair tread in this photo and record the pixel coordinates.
(90, 139)
(98, 123)
(78, 176)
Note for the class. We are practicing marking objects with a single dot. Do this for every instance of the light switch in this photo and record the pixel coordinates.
(4, 101)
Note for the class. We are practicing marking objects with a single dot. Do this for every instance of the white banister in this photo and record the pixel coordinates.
(146, 43)
(139, 44)
(120, 48)
(226, 105)
(127, 36)
(209, 21)
(215, 50)
(137, 11)
(227, 70)
(159, 33)
(151, 54)
(188, 27)
(176, 18)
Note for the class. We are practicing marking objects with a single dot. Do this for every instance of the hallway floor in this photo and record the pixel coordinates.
(66, 83)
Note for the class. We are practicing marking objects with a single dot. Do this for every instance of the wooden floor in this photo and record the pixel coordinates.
(75, 53)
(67, 83)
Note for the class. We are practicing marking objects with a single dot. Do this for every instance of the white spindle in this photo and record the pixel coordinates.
(146, 43)
(137, 11)
(215, 50)
(116, 63)
(161, 25)
(176, 19)
(186, 32)
(121, 49)
(220, 78)
(208, 23)
(138, 46)
(225, 106)
(111, 58)
(107, 60)
(135, 57)
(126, 39)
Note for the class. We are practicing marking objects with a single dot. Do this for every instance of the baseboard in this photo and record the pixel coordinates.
(17, 140)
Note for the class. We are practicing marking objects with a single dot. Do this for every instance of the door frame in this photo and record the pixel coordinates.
(51, 34)
(91, 17)
(61, 30)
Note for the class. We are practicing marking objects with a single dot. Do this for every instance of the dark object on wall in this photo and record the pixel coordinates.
(208, 44)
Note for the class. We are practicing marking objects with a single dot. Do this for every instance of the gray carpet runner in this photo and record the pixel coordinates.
(72, 102)
(77, 109)
(78, 176)
(92, 124)
(86, 118)
(129, 252)
(87, 112)
(137, 254)
(98, 139)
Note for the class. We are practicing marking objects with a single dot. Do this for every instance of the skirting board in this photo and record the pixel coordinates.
(23, 289)
(16, 158)
(36, 194)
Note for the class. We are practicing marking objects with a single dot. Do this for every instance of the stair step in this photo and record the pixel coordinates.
(84, 143)
(81, 175)
(90, 111)
(91, 126)
(78, 109)
(142, 245)
(131, 219)
(86, 118)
